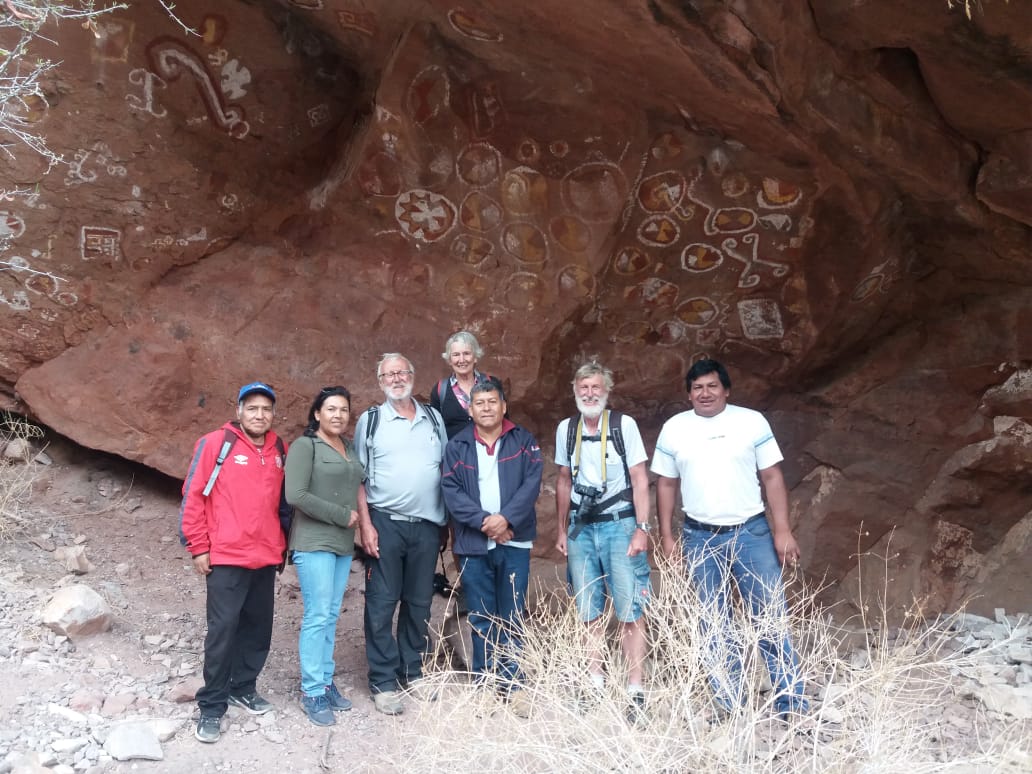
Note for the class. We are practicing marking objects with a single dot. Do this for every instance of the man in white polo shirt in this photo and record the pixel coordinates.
(401, 444)
(492, 477)
(723, 454)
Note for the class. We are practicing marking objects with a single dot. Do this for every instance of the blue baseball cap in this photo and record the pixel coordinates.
(253, 387)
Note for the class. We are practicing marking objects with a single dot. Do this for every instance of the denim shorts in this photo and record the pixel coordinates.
(599, 565)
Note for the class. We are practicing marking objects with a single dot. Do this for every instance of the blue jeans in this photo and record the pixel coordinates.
(747, 555)
(323, 577)
(495, 586)
(597, 561)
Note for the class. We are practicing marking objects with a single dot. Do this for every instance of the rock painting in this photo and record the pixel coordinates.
(524, 192)
(111, 40)
(478, 164)
(526, 243)
(84, 170)
(659, 231)
(699, 258)
(144, 102)
(880, 278)
(11, 226)
(358, 20)
(631, 260)
(471, 250)
(379, 175)
(428, 94)
(749, 278)
(235, 78)
(97, 242)
(480, 212)
(570, 232)
(424, 215)
(761, 318)
(470, 24)
(697, 312)
(662, 192)
(171, 59)
(318, 115)
(523, 291)
(595, 191)
(486, 110)
(576, 282)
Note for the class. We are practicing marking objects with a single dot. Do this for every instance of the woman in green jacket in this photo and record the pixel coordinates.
(324, 484)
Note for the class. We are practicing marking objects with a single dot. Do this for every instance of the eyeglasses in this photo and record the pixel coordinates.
(392, 375)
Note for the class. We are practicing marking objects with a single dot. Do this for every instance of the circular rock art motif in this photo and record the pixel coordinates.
(424, 215)
(662, 192)
(659, 231)
(633, 331)
(631, 260)
(653, 292)
(379, 176)
(528, 151)
(671, 332)
(576, 282)
(596, 191)
(733, 220)
(699, 257)
(66, 298)
(472, 26)
(524, 291)
(735, 185)
(666, 146)
(525, 242)
(571, 233)
(11, 226)
(471, 250)
(466, 288)
(524, 191)
(775, 194)
(411, 280)
(480, 212)
(697, 311)
(478, 164)
(559, 148)
(43, 284)
(427, 94)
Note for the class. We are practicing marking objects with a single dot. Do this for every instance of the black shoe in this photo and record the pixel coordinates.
(209, 729)
(636, 711)
(251, 702)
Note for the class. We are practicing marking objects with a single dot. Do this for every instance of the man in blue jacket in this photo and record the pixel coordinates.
(491, 483)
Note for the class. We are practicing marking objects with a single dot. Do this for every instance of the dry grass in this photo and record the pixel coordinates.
(16, 476)
(882, 701)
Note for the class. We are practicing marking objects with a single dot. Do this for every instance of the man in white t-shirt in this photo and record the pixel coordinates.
(723, 454)
(602, 508)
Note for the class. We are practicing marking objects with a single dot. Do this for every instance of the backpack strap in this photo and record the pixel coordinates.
(441, 385)
(614, 434)
(228, 439)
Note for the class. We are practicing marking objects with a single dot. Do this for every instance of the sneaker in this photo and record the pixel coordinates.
(388, 702)
(318, 710)
(250, 702)
(422, 689)
(636, 710)
(519, 704)
(209, 729)
(338, 702)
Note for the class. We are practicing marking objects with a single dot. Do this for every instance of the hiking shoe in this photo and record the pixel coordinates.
(318, 710)
(422, 689)
(519, 704)
(636, 710)
(337, 701)
(209, 729)
(388, 702)
(250, 702)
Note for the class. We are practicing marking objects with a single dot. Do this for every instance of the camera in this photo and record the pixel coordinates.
(589, 498)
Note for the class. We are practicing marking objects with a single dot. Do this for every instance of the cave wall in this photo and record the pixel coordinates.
(832, 197)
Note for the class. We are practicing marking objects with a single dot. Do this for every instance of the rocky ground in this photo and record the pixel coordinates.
(83, 704)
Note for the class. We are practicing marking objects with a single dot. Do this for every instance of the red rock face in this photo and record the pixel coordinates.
(832, 198)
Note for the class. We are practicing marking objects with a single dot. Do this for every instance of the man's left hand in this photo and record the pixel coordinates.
(639, 543)
(494, 526)
(787, 547)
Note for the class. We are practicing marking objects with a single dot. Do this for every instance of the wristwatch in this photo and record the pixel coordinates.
(644, 526)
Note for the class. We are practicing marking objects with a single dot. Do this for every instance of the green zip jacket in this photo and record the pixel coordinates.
(323, 488)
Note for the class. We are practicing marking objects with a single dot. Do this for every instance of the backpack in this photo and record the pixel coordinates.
(616, 437)
(373, 421)
(286, 510)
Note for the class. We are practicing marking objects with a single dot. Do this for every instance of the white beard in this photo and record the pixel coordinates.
(387, 392)
(593, 411)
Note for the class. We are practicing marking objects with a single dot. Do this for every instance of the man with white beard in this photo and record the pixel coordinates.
(401, 444)
(602, 506)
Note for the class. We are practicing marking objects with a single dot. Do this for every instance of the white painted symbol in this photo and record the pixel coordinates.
(145, 102)
(219, 57)
(11, 226)
(98, 242)
(18, 301)
(234, 79)
(319, 115)
(749, 278)
(761, 318)
(175, 59)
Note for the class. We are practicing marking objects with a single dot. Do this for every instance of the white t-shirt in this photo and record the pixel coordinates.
(590, 471)
(491, 492)
(717, 459)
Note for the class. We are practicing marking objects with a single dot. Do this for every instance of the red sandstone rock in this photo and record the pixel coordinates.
(832, 197)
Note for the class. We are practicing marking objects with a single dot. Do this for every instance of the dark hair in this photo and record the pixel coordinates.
(707, 366)
(317, 404)
(489, 384)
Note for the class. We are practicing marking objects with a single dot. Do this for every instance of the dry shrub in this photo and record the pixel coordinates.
(16, 476)
(880, 696)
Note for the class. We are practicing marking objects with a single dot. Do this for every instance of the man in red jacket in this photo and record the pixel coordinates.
(230, 524)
